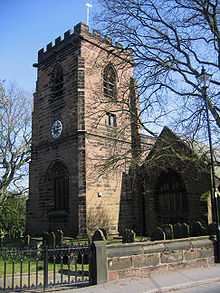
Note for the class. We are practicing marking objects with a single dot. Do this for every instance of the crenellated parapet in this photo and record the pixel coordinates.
(81, 30)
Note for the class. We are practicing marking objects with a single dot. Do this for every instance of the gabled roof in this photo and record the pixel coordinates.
(173, 152)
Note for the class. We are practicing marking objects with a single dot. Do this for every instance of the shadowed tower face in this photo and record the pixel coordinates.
(80, 120)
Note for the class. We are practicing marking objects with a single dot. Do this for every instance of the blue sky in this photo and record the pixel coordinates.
(28, 25)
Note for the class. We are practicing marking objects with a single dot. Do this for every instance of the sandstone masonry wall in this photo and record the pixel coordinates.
(140, 259)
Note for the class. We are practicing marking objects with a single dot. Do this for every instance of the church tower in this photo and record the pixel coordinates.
(81, 137)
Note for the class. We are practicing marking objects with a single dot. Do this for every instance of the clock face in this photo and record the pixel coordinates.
(56, 129)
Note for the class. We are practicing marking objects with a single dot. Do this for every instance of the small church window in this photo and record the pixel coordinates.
(109, 81)
(57, 81)
(111, 120)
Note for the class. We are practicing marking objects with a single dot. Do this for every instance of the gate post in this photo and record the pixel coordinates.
(98, 270)
(45, 256)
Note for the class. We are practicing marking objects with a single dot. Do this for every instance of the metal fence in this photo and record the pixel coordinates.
(23, 269)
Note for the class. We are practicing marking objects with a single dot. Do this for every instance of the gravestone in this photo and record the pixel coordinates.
(59, 237)
(105, 233)
(168, 230)
(212, 229)
(185, 230)
(178, 231)
(158, 234)
(197, 229)
(128, 236)
(53, 239)
(98, 236)
(46, 239)
(27, 240)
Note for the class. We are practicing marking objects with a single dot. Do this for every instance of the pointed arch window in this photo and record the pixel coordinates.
(171, 199)
(60, 181)
(110, 81)
(57, 81)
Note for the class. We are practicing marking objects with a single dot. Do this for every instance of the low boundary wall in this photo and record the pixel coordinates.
(119, 261)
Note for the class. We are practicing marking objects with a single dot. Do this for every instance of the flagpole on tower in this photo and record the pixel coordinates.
(88, 7)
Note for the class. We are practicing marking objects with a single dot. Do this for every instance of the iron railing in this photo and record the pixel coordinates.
(45, 267)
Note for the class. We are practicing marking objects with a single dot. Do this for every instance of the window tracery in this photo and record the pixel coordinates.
(109, 81)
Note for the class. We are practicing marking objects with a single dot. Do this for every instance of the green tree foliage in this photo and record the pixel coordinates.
(12, 217)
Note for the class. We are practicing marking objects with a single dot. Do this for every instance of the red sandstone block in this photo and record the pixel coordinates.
(112, 276)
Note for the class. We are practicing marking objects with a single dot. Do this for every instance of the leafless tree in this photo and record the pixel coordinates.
(15, 135)
(171, 41)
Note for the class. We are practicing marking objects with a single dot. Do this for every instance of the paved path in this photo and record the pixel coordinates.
(198, 279)
(208, 288)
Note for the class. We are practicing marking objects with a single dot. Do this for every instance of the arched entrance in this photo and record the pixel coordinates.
(171, 201)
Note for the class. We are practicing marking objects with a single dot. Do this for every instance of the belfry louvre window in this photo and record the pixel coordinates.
(111, 120)
(109, 81)
(57, 81)
(60, 187)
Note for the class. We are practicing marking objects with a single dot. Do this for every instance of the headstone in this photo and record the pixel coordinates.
(212, 229)
(46, 240)
(59, 238)
(178, 231)
(197, 229)
(105, 233)
(50, 240)
(98, 236)
(185, 230)
(128, 236)
(27, 240)
(158, 234)
(168, 230)
(53, 239)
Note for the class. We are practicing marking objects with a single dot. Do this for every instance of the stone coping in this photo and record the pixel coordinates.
(126, 249)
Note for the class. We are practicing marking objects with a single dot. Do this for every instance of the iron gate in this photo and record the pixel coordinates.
(46, 267)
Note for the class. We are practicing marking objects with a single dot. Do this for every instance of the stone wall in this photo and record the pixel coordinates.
(140, 259)
(67, 149)
(104, 143)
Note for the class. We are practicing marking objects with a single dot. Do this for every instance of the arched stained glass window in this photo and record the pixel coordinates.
(110, 81)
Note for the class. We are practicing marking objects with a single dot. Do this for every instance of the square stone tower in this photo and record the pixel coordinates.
(81, 139)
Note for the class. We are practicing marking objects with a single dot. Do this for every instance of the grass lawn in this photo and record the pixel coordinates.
(25, 267)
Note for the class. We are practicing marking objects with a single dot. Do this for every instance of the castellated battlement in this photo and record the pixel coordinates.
(79, 31)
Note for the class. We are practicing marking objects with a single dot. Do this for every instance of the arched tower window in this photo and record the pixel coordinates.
(57, 81)
(109, 81)
(60, 186)
(171, 200)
